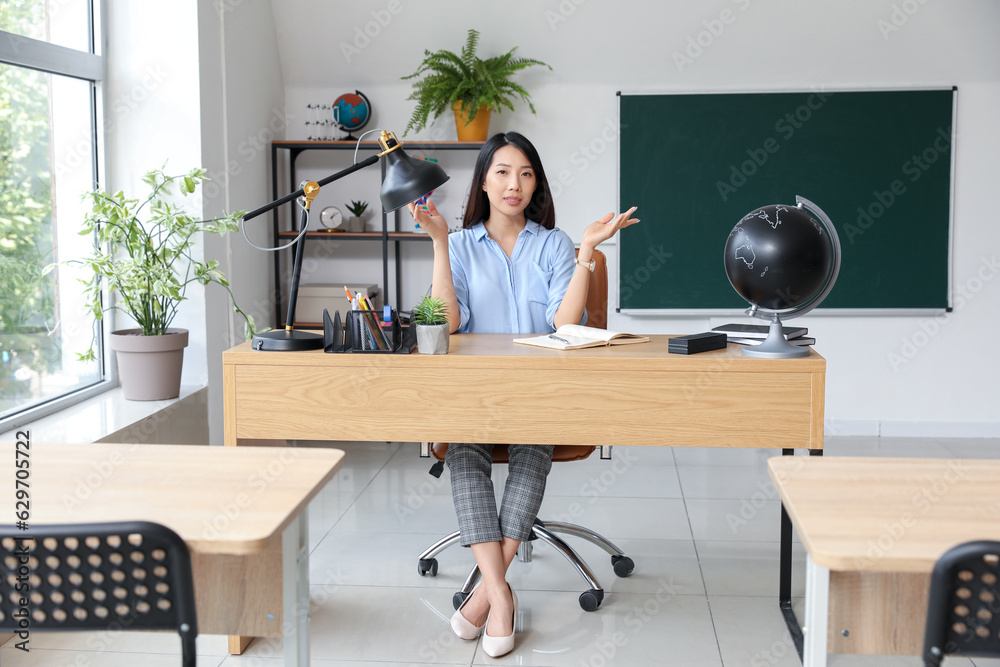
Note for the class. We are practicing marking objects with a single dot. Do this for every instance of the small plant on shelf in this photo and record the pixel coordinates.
(356, 223)
(357, 208)
(430, 311)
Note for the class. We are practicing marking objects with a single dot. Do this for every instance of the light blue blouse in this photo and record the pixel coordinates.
(517, 295)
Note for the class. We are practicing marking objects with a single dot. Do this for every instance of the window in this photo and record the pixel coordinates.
(49, 73)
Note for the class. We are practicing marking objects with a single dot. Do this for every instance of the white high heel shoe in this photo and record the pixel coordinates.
(496, 647)
(461, 625)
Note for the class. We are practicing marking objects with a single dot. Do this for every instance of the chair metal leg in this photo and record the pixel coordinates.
(544, 531)
(583, 533)
(440, 545)
(524, 551)
(470, 581)
(566, 550)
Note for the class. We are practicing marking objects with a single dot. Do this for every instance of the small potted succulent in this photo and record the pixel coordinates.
(430, 316)
(356, 223)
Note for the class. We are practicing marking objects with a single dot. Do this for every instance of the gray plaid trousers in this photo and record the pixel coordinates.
(471, 465)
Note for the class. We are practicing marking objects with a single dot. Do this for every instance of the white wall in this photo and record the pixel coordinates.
(197, 83)
(889, 375)
(243, 110)
(152, 117)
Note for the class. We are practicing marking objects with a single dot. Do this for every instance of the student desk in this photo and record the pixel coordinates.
(873, 529)
(241, 513)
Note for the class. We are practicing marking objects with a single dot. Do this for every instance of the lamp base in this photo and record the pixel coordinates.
(282, 340)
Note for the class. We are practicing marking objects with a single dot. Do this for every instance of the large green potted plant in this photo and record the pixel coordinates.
(143, 258)
(469, 85)
(430, 316)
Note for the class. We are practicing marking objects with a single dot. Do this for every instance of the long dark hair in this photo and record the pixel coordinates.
(540, 208)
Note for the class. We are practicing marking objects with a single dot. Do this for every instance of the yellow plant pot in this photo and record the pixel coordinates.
(478, 129)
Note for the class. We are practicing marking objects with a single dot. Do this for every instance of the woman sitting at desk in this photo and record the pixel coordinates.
(509, 270)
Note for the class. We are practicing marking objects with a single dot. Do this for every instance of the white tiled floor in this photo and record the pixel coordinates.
(701, 524)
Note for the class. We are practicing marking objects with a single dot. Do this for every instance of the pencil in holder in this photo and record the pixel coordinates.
(368, 331)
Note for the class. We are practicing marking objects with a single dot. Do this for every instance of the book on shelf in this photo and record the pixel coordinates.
(577, 336)
(798, 340)
(734, 331)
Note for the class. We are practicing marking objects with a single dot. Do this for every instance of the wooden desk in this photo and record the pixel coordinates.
(487, 389)
(241, 513)
(873, 530)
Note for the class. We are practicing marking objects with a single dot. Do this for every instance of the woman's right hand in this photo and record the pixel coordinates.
(430, 220)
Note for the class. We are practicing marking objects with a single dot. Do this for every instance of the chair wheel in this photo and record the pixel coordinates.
(427, 566)
(458, 598)
(590, 600)
(623, 565)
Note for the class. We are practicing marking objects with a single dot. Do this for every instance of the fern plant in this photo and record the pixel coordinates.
(465, 77)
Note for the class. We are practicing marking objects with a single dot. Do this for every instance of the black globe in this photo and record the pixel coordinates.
(779, 258)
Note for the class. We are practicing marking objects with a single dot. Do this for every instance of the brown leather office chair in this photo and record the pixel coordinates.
(597, 316)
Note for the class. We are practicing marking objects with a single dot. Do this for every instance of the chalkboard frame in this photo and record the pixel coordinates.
(939, 286)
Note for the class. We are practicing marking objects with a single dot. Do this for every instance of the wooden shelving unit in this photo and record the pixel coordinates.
(388, 238)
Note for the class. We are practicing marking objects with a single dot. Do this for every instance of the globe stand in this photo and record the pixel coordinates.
(775, 346)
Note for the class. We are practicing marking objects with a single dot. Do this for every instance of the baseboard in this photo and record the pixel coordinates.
(940, 429)
(910, 429)
(851, 427)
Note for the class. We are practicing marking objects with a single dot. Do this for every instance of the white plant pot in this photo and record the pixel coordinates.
(149, 367)
(433, 338)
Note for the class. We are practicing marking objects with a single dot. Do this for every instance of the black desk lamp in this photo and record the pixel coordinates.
(406, 179)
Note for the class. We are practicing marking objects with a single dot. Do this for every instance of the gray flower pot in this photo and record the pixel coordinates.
(432, 338)
(149, 367)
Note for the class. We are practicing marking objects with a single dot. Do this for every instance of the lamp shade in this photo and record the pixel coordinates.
(408, 179)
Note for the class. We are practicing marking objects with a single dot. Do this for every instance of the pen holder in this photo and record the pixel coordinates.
(365, 331)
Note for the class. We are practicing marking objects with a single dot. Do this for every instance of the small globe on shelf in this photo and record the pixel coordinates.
(351, 111)
(783, 262)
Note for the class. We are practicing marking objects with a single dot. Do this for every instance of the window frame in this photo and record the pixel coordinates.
(30, 53)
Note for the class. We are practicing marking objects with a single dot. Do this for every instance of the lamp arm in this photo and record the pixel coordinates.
(300, 192)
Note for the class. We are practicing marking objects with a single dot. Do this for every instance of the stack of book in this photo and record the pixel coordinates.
(754, 334)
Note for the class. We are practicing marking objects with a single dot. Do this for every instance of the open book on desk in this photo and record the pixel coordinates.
(577, 336)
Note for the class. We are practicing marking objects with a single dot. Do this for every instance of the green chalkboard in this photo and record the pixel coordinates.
(879, 163)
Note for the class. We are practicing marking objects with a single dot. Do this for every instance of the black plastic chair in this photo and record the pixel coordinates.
(963, 612)
(131, 575)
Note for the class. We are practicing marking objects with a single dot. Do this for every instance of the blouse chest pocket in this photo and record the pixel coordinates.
(539, 280)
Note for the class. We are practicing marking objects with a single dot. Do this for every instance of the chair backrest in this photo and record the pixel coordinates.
(124, 575)
(597, 294)
(597, 316)
(963, 609)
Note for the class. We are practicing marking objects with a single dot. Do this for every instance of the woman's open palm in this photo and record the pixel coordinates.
(602, 230)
